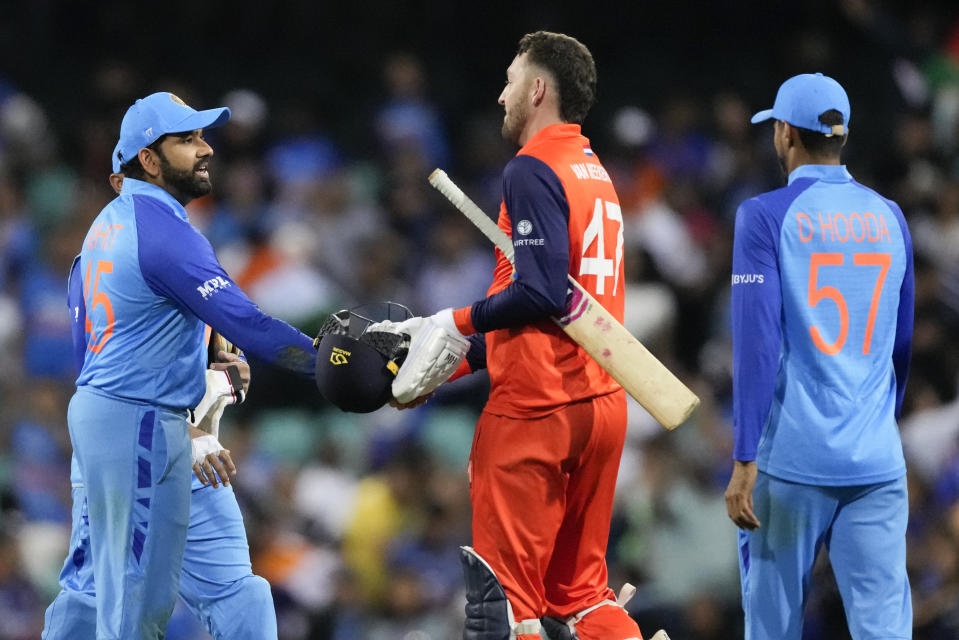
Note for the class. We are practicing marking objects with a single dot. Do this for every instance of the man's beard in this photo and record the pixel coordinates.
(183, 184)
(513, 124)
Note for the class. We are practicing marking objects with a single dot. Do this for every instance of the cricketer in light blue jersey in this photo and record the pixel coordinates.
(150, 284)
(216, 582)
(822, 307)
(144, 263)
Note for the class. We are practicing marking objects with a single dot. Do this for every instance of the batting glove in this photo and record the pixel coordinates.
(436, 350)
(222, 388)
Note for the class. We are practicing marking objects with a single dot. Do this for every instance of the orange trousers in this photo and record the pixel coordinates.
(542, 494)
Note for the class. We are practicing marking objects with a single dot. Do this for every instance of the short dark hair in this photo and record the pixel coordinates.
(571, 65)
(819, 144)
(132, 167)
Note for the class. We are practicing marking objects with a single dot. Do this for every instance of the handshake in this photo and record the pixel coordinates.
(362, 362)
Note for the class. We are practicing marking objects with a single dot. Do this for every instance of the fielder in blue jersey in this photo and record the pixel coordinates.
(822, 307)
(217, 583)
(150, 284)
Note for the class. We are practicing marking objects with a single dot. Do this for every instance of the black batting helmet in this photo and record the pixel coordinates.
(355, 367)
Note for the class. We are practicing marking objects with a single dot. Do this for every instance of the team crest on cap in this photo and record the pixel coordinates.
(175, 98)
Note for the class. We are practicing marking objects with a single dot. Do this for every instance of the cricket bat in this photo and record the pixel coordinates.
(593, 328)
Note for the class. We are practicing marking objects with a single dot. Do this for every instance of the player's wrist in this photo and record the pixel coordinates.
(454, 321)
(203, 446)
(463, 370)
(463, 318)
(444, 318)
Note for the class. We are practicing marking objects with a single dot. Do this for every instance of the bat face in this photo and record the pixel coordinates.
(625, 358)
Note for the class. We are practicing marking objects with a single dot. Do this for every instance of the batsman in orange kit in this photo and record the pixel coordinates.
(547, 446)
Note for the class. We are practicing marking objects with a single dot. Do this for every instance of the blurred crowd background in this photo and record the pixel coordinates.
(321, 203)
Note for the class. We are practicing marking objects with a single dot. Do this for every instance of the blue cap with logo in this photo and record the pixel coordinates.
(803, 98)
(156, 115)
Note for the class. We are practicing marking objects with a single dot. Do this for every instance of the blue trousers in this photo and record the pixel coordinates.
(864, 530)
(215, 581)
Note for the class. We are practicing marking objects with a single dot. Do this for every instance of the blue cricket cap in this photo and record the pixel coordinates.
(115, 159)
(156, 115)
(803, 98)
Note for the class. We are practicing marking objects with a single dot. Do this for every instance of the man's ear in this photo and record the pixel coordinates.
(116, 181)
(150, 161)
(790, 135)
(538, 90)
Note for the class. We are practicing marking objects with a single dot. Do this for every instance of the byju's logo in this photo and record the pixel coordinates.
(748, 278)
(212, 285)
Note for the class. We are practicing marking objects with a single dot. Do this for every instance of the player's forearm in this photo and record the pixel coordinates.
(271, 340)
(476, 356)
(757, 342)
(241, 322)
(515, 306)
(755, 364)
(902, 348)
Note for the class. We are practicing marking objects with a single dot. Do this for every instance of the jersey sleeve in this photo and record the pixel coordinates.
(179, 263)
(539, 212)
(476, 356)
(902, 347)
(78, 314)
(756, 325)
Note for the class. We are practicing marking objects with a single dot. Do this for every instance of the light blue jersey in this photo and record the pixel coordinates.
(822, 297)
(140, 293)
(127, 356)
(150, 283)
(822, 301)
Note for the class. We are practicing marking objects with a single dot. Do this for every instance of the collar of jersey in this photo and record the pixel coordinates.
(133, 187)
(824, 172)
(562, 130)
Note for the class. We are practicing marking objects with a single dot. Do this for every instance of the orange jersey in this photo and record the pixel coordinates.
(536, 369)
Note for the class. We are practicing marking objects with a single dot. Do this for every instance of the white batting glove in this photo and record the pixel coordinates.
(222, 388)
(411, 326)
(444, 318)
(436, 350)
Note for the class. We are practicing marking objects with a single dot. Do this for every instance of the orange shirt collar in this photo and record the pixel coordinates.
(561, 130)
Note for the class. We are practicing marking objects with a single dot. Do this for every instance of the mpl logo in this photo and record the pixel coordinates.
(212, 285)
(339, 356)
